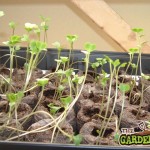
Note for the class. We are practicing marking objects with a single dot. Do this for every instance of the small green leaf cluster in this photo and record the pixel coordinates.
(89, 47)
(105, 78)
(71, 38)
(133, 51)
(44, 23)
(137, 30)
(37, 46)
(12, 24)
(30, 27)
(124, 87)
(62, 60)
(77, 139)
(57, 45)
(65, 101)
(146, 77)
(13, 98)
(13, 40)
(95, 65)
(78, 79)
(42, 82)
(53, 108)
(99, 62)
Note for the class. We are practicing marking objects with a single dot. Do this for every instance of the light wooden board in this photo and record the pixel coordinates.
(109, 21)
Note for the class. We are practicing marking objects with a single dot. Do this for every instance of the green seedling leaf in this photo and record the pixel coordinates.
(20, 95)
(53, 109)
(44, 22)
(104, 81)
(116, 63)
(12, 25)
(44, 26)
(77, 139)
(58, 60)
(14, 39)
(60, 72)
(116, 137)
(71, 38)
(29, 26)
(17, 47)
(64, 59)
(134, 66)
(133, 50)
(68, 72)
(105, 74)
(66, 101)
(37, 31)
(101, 61)
(146, 77)
(81, 79)
(137, 30)
(124, 87)
(78, 80)
(14, 97)
(123, 65)
(25, 38)
(98, 131)
(95, 65)
(65, 80)
(57, 45)
(104, 61)
(1, 13)
(89, 47)
(37, 46)
(45, 19)
(42, 82)
(61, 88)
(26, 65)
(108, 59)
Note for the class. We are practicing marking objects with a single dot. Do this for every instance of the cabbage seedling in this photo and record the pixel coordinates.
(35, 48)
(123, 87)
(45, 26)
(13, 47)
(71, 39)
(14, 100)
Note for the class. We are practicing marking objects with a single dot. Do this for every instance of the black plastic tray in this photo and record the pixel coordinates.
(41, 146)
(49, 63)
(77, 56)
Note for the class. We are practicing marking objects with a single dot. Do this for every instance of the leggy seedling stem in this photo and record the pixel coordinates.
(71, 39)
(101, 133)
(12, 43)
(89, 48)
(116, 63)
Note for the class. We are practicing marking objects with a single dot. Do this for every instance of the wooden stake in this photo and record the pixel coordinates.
(112, 24)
